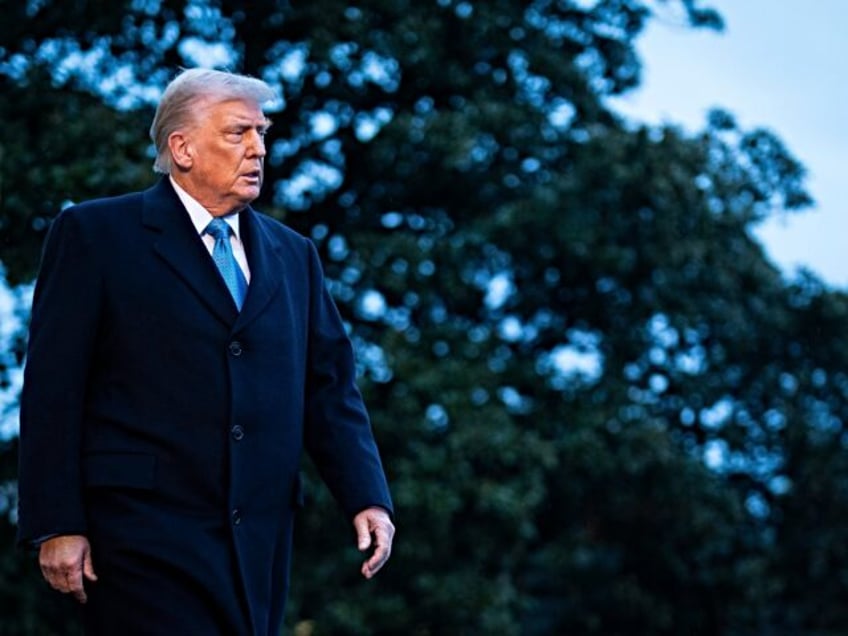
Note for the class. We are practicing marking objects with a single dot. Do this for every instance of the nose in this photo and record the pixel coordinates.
(256, 144)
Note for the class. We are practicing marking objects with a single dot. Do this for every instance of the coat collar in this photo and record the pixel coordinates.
(179, 245)
(267, 269)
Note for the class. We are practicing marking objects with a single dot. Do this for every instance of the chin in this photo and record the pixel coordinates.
(248, 195)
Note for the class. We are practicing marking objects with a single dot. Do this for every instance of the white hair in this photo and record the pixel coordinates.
(177, 106)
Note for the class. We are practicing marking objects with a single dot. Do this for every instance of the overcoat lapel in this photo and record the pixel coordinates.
(179, 245)
(264, 256)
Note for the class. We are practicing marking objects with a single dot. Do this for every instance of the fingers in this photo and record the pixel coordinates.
(65, 578)
(382, 551)
(374, 529)
(88, 567)
(363, 531)
(64, 560)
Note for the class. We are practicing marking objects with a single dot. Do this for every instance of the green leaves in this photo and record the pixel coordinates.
(602, 409)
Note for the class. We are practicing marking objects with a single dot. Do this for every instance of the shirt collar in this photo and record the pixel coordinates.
(199, 215)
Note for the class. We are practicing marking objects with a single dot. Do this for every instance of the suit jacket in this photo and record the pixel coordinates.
(168, 427)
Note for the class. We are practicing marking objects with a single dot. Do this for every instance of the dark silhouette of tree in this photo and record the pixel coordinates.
(603, 409)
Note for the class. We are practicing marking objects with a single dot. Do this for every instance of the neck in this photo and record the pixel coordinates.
(215, 207)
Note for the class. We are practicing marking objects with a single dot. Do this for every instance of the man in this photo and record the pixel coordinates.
(183, 350)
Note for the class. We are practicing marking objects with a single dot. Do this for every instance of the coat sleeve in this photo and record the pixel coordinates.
(338, 433)
(63, 328)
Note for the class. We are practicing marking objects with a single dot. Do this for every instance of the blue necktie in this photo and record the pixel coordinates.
(223, 256)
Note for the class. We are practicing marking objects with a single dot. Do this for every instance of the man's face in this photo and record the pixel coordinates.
(227, 146)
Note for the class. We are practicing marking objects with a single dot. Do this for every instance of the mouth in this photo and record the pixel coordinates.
(253, 176)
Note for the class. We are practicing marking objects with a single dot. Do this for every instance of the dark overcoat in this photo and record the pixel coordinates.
(167, 426)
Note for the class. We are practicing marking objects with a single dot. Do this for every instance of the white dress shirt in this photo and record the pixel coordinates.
(200, 217)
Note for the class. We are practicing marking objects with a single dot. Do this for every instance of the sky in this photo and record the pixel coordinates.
(778, 64)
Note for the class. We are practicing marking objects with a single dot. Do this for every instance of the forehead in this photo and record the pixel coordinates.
(232, 110)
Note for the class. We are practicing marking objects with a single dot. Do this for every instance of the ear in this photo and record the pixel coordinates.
(182, 152)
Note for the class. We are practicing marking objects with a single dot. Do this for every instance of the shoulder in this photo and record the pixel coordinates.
(91, 218)
(280, 232)
(276, 227)
(102, 209)
(112, 203)
(296, 249)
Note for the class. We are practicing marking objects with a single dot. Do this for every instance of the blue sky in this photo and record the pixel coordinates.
(779, 64)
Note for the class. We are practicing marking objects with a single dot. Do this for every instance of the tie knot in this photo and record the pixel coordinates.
(218, 229)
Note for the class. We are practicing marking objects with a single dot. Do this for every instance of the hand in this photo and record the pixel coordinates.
(374, 523)
(64, 561)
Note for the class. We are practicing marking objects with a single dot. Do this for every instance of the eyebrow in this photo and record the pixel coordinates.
(244, 121)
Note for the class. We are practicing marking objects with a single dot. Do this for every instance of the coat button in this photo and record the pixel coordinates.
(235, 348)
(237, 432)
(236, 516)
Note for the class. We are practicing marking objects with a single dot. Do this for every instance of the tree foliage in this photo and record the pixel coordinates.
(602, 408)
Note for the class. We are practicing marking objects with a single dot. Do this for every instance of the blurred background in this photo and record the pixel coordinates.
(778, 65)
(608, 400)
